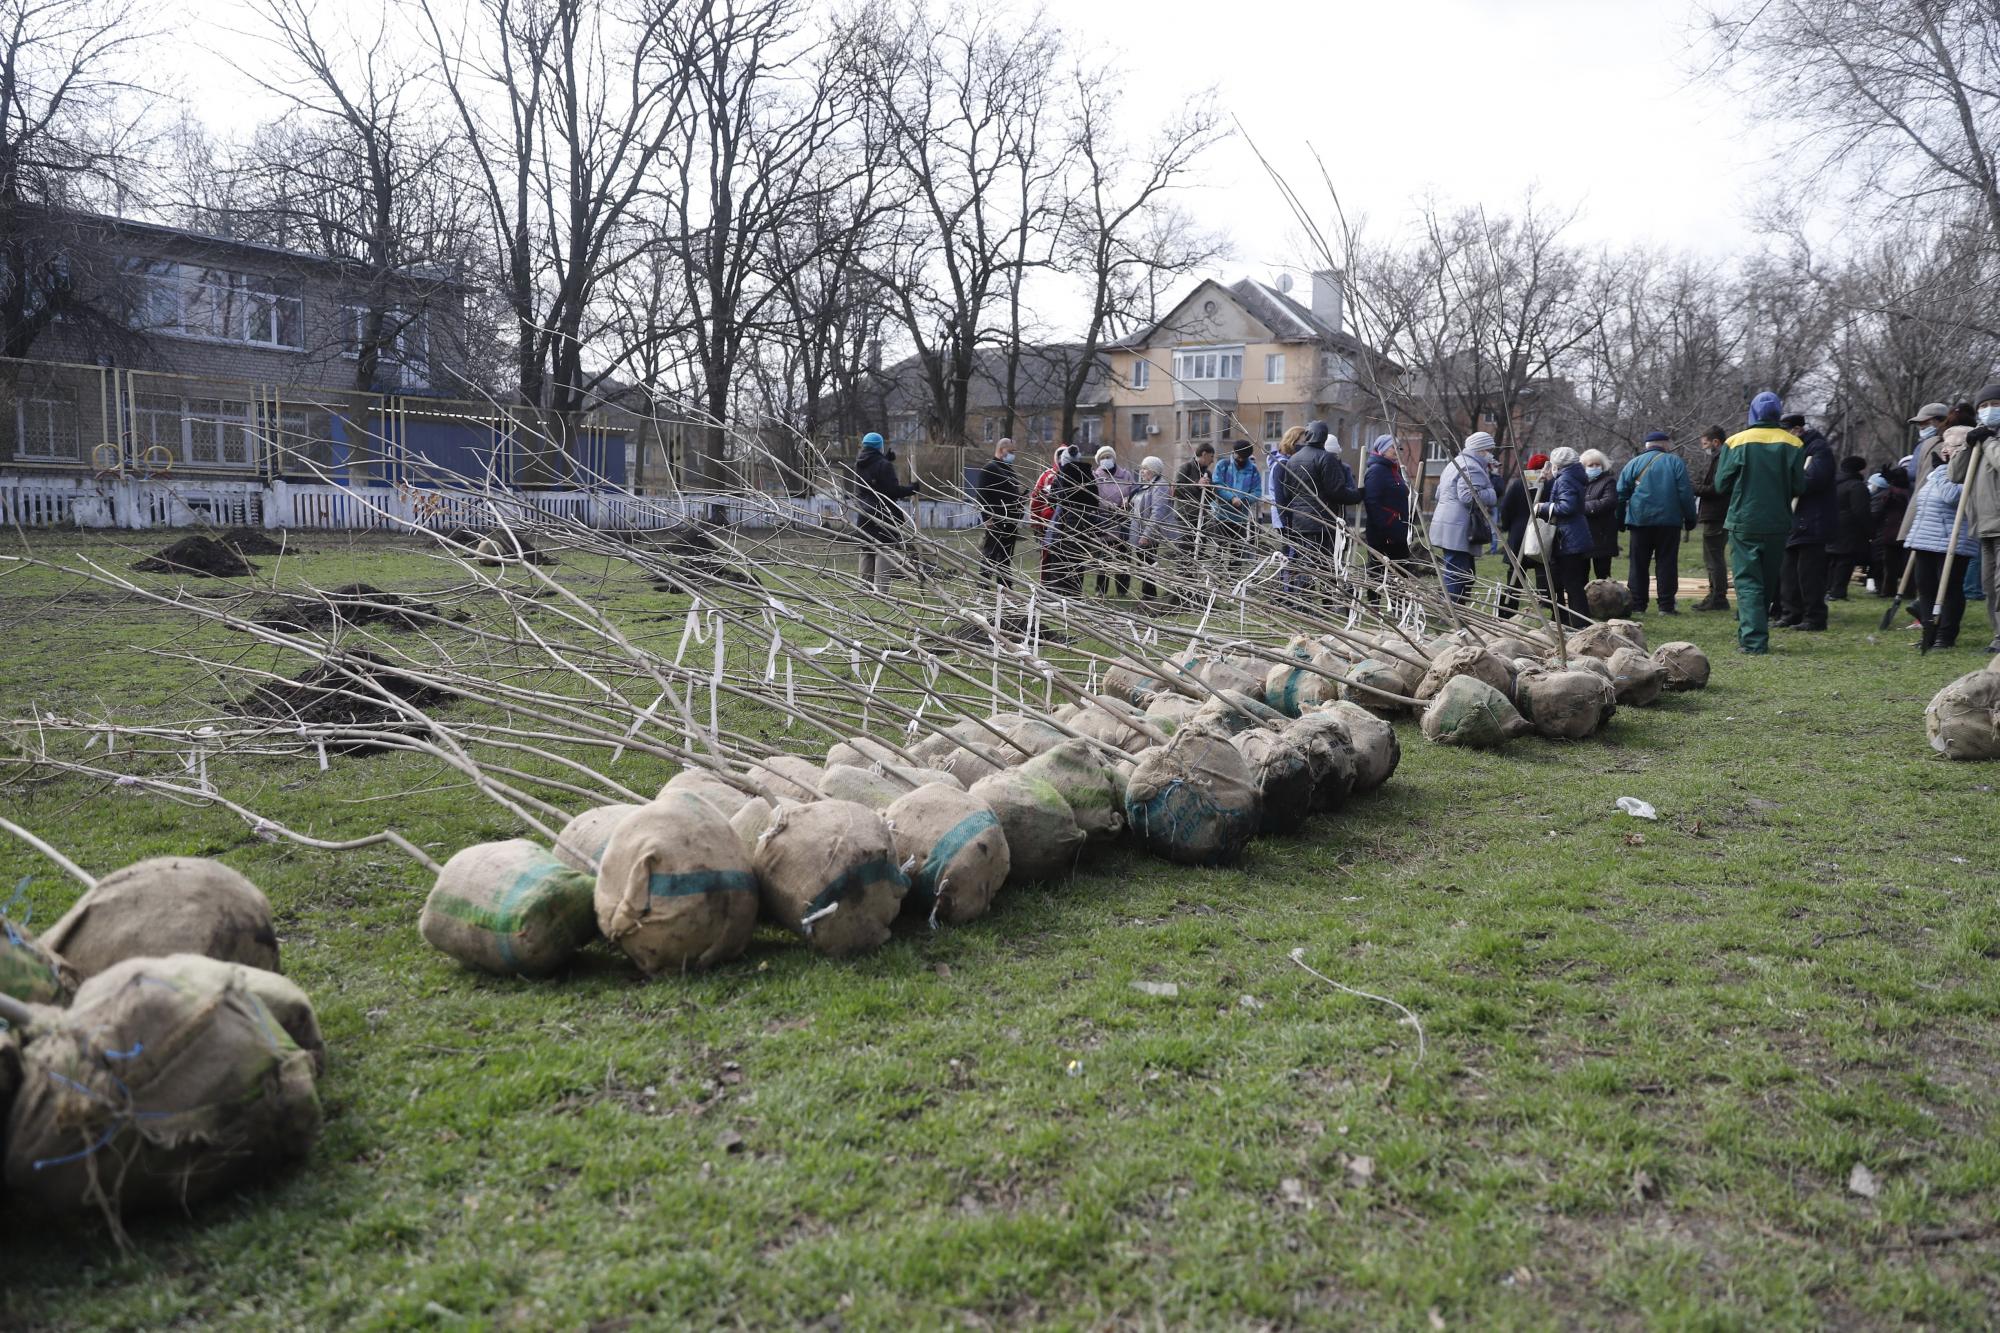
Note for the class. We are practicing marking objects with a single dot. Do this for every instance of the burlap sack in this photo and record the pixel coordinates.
(953, 850)
(967, 764)
(583, 839)
(1187, 675)
(1113, 725)
(1631, 629)
(1507, 648)
(786, 777)
(1171, 712)
(1686, 666)
(1329, 749)
(1600, 641)
(30, 971)
(700, 782)
(829, 871)
(1031, 736)
(1085, 781)
(172, 904)
(1607, 599)
(844, 782)
(1450, 639)
(861, 752)
(509, 908)
(1282, 771)
(1291, 689)
(1232, 712)
(1463, 661)
(1043, 840)
(750, 823)
(675, 889)
(1471, 713)
(1963, 718)
(1193, 800)
(287, 1003)
(1377, 750)
(1636, 678)
(1596, 666)
(160, 1093)
(1568, 705)
(1132, 682)
(912, 777)
(1371, 674)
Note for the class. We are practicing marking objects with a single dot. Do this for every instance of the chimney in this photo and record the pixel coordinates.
(1326, 298)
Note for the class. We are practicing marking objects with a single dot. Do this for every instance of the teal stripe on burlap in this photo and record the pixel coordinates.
(688, 883)
(954, 840)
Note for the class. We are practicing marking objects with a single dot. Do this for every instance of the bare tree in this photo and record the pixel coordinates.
(72, 134)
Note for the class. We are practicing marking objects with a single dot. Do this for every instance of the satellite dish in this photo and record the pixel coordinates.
(1285, 283)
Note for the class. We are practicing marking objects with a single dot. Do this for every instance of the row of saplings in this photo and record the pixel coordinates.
(1189, 760)
(152, 1056)
(1963, 719)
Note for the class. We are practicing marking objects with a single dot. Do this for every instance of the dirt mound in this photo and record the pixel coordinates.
(252, 541)
(327, 695)
(352, 604)
(199, 557)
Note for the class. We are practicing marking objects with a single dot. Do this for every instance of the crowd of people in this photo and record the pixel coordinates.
(1780, 517)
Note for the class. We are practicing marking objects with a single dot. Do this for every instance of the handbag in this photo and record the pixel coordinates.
(1541, 539)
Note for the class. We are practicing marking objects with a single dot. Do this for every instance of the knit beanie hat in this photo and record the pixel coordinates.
(1765, 408)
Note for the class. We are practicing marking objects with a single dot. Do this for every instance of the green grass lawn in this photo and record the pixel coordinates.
(1656, 1051)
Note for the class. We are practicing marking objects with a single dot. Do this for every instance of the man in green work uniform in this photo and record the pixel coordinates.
(1763, 469)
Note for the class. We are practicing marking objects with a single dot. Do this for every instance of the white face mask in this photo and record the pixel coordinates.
(1990, 416)
(1926, 432)
(1106, 465)
(1593, 472)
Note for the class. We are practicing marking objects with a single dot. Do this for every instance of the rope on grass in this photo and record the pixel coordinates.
(1298, 956)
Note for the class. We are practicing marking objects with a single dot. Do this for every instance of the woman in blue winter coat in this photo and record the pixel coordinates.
(1462, 523)
(1385, 508)
(1565, 508)
(1933, 510)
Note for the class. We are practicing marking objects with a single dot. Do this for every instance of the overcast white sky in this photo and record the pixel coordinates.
(1590, 102)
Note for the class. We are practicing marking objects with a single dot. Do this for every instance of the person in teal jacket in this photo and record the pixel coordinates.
(1656, 496)
(1763, 469)
(1236, 488)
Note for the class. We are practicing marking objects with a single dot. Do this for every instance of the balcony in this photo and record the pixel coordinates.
(1199, 393)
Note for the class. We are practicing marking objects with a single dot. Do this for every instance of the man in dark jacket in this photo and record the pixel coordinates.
(1711, 510)
(1890, 504)
(999, 494)
(1311, 490)
(1815, 522)
(1191, 491)
(882, 524)
(1849, 549)
(1657, 499)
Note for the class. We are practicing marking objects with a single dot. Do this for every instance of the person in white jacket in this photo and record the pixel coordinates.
(1462, 522)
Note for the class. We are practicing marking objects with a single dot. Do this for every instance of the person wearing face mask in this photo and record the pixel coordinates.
(1930, 422)
(1815, 521)
(1763, 469)
(1600, 507)
(1934, 522)
(1461, 525)
(998, 492)
(1711, 509)
(1074, 493)
(1571, 557)
(1977, 468)
(1114, 489)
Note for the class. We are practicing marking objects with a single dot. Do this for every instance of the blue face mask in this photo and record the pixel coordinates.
(1593, 472)
(1007, 457)
(1926, 432)
(1990, 416)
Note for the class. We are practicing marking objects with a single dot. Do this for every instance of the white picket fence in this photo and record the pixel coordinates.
(31, 501)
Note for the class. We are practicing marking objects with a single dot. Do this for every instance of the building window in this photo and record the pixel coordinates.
(1089, 431)
(903, 429)
(46, 428)
(992, 430)
(288, 438)
(200, 432)
(189, 301)
(1274, 368)
(404, 347)
(1274, 425)
(1142, 426)
(1200, 424)
(1208, 363)
(1438, 451)
(1142, 372)
(1042, 429)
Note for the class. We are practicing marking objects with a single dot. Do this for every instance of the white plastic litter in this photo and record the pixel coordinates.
(1637, 808)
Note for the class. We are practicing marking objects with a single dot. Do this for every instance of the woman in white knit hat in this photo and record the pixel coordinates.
(1155, 527)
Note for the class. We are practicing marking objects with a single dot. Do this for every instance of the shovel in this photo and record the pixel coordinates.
(1902, 590)
(1950, 552)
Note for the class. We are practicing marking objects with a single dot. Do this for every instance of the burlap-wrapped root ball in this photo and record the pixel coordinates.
(1507, 648)
(724, 796)
(1463, 661)
(877, 791)
(30, 971)
(675, 889)
(1043, 839)
(1087, 784)
(1608, 599)
(1289, 689)
(1568, 705)
(1468, 712)
(584, 838)
(287, 1003)
(967, 764)
(1282, 770)
(1232, 712)
(1600, 641)
(1685, 666)
(1193, 800)
(829, 871)
(225, 1096)
(1133, 682)
(860, 752)
(1377, 750)
(751, 821)
(1329, 747)
(172, 904)
(1116, 724)
(1171, 712)
(955, 851)
(1631, 629)
(1636, 677)
(1371, 680)
(1026, 737)
(1963, 718)
(1190, 673)
(786, 777)
(509, 908)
